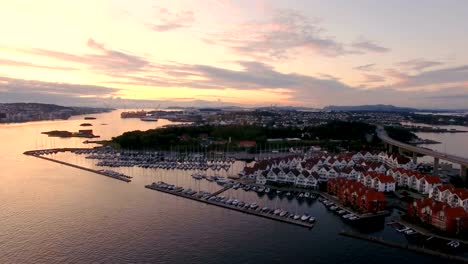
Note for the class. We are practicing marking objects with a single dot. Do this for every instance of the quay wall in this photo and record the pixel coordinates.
(78, 167)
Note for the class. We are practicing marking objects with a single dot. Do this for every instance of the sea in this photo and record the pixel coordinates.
(51, 213)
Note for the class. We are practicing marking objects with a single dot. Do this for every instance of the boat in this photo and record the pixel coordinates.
(312, 219)
(210, 178)
(197, 176)
(453, 244)
(277, 211)
(267, 190)
(296, 217)
(304, 217)
(403, 229)
(307, 195)
(283, 213)
(253, 206)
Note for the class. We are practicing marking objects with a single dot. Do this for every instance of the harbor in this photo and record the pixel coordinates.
(252, 209)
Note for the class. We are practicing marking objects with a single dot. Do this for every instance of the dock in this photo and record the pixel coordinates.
(364, 216)
(235, 208)
(221, 191)
(79, 167)
(408, 247)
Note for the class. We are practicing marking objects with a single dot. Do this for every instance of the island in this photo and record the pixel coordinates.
(68, 134)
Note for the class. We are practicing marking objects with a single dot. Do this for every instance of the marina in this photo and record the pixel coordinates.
(232, 204)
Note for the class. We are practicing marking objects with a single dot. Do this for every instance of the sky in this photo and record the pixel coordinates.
(240, 52)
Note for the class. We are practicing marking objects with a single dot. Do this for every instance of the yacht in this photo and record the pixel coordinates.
(253, 206)
(305, 217)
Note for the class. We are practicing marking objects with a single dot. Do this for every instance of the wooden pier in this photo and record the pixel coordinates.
(408, 247)
(235, 208)
(78, 167)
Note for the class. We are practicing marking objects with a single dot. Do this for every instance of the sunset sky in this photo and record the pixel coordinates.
(252, 52)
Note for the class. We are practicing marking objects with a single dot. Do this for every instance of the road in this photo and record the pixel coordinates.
(382, 134)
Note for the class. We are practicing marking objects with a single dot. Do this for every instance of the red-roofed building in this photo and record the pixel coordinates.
(355, 194)
(439, 214)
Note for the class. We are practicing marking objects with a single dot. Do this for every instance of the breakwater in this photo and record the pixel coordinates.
(404, 246)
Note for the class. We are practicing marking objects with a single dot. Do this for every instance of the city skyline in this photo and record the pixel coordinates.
(300, 53)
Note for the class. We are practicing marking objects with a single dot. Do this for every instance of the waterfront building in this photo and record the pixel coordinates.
(357, 195)
(455, 197)
(439, 214)
(414, 180)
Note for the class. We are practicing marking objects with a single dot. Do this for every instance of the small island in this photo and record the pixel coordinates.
(68, 134)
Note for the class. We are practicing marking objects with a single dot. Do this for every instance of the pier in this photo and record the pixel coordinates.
(221, 191)
(79, 167)
(408, 247)
(235, 208)
(362, 217)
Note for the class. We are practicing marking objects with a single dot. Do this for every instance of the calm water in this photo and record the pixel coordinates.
(50, 213)
(453, 143)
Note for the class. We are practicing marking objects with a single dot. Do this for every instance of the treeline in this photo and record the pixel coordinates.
(400, 133)
(439, 119)
(194, 136)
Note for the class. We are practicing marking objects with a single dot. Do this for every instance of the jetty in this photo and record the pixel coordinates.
(221, 191)
(408, 247)
(100, 172)
(235, 208)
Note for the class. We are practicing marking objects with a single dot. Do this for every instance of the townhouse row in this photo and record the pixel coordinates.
(355, 194)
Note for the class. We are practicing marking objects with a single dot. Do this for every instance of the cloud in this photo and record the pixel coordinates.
(365, 46)
(27, 64)
(168, 20)
(20, 86)
(441, 77)
(419, 64)
(365, 67)
(285, 33)
(372, 78)
(103, 59)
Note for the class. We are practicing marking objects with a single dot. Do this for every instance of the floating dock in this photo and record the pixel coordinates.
(235, 208)
(408, 247)
(79, 167)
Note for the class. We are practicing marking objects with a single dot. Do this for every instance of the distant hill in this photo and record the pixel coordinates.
(370, 108)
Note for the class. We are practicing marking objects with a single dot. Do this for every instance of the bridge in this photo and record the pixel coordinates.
(462, 161)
